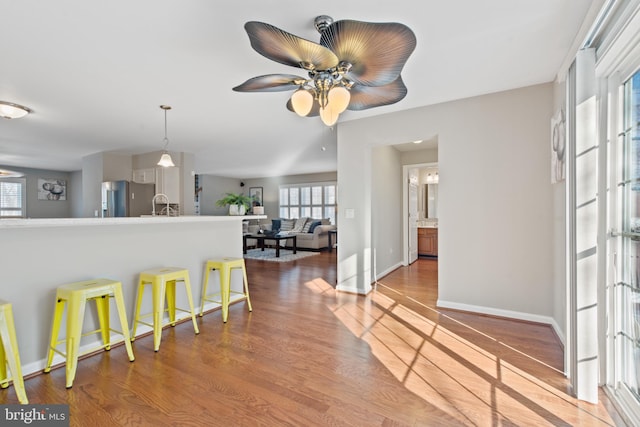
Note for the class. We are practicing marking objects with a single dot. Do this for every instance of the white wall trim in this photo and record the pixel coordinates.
(89, 344)
(529, 317)
(353, 289)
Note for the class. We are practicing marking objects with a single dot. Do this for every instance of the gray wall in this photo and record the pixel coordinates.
(215, 187)
(47, 208)
(271, 186)
(496, 203)
(387, 209)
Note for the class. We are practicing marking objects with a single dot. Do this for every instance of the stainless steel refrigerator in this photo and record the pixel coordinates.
(124, 198)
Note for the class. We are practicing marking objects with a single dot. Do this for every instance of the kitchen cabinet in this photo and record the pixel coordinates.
(428, 241)
(144, 176)
(168, 182)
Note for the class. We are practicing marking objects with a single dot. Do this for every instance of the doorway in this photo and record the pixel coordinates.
(419, 205)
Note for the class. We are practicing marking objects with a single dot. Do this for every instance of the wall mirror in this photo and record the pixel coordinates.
(431, 200)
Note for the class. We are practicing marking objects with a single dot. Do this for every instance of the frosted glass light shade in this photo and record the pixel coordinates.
(9, 110)
(339, 98)
(329, 115)
(302, 102)
(165, 160)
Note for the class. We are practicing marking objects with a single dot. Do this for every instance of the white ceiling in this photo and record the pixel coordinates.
(95, 73)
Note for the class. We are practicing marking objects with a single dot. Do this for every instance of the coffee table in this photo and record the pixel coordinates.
(262, 237)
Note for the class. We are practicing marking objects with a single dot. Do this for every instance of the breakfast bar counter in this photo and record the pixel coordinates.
(38, 255)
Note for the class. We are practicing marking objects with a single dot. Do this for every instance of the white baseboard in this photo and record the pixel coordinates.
(352, 289)
(88, 345)
(529, 317)
(388, 270)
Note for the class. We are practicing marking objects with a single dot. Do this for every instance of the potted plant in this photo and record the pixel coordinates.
(238, 203)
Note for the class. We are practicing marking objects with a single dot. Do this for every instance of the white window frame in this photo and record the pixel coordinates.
(21, 211)
(295, 210)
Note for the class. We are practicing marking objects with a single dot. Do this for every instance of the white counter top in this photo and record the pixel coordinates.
(75, 222)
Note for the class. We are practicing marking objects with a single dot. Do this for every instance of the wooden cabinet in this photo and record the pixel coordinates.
(428, 241)
(168, 182)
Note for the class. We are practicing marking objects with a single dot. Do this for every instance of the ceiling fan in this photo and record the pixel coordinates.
(355, 66)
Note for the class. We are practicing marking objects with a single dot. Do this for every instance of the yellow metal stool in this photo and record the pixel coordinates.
(9, 353)
(76, 296)
(163, 283)
(224, 267)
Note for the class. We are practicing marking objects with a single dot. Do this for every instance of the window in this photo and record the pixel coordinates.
(12, 198)
(317, 200)
(625, 293)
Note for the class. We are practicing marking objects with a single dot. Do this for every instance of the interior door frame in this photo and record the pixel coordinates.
(405, 207)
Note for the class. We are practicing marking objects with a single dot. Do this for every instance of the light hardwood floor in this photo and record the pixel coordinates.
(309, 356)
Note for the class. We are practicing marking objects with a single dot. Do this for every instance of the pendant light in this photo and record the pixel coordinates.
(165, 159)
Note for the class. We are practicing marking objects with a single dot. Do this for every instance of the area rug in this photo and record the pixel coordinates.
(269, 254)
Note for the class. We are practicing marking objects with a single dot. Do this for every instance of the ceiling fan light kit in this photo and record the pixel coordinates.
(356, 65)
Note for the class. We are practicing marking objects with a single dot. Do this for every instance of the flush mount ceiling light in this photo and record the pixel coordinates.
(355, 66)
(5, 173)
(9, 110)
(165, 159)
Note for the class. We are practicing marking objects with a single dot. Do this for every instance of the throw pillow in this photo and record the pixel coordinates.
(275, 224)
(299, 225)
(307, 225)
(287, 224)
(313, 225)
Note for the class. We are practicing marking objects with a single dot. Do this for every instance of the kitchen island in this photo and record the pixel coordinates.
(38, 255)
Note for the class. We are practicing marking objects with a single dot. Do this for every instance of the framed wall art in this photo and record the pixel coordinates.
(52, 189)
(256, 193)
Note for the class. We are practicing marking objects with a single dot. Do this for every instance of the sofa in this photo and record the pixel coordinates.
(311, 234)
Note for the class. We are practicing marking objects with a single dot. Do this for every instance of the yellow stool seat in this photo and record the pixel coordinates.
(224, 267)
(76, 296)
(9, 353)
(163, 285)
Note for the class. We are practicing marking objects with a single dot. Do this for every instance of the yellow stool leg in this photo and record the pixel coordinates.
(225, 289)
(122, 314)
(170, 292)
(158, 295)
(11, 356)
(58, 312)
(246, 286)
(187, 285)
(4, 378)
(205, 284)
(136, 316)
(102, 306)
(75, 317)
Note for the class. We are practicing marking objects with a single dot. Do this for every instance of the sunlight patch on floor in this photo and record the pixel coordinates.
(448, 371)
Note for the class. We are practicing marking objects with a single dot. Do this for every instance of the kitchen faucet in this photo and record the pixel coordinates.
(153, 203)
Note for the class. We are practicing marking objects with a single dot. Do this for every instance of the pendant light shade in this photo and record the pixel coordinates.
(165, 159)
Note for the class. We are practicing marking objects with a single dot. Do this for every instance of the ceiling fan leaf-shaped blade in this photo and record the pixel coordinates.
(271, 83)
(364, 97)
(288, 49)
(376, 51)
